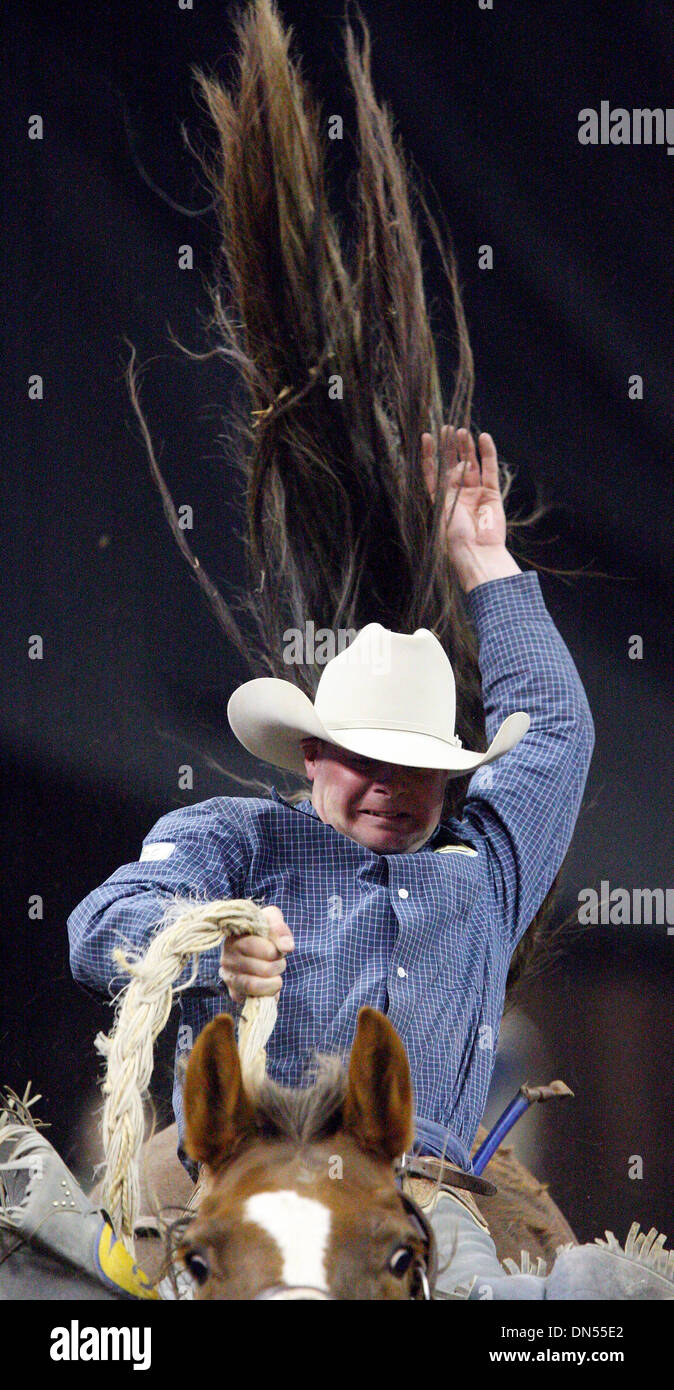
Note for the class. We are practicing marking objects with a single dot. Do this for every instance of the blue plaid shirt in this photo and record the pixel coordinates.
(426, 936)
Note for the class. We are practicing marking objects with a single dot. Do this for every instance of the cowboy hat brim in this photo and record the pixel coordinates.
(270, 717)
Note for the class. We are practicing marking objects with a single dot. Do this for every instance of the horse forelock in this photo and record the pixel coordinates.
(307, 1115)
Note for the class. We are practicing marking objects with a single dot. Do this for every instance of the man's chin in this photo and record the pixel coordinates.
(377, 833)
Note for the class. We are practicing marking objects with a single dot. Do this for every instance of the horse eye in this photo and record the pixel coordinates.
(401, 1260)
(197, 1265)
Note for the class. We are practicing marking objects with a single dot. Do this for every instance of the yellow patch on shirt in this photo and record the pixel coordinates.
(455, 849)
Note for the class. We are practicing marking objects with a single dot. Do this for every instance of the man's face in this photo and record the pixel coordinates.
(388, 808)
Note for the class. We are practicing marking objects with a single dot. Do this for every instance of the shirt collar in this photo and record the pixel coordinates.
(308, 809)
(304, 806)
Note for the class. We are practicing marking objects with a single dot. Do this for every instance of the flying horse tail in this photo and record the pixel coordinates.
(187, 930)
(339, 374)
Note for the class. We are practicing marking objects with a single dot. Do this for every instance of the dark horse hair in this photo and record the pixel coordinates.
(339, 378)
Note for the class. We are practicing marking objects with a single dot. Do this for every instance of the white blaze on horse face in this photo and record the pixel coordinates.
(301, 1228)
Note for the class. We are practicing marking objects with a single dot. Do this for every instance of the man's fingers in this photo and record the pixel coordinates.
(448, 446)
(238, 963)
(280, 933)
(489, 459)
(273, 914)
(242, 987)
(256, 988)
(465, 450)
(282, 938)
(257, 947)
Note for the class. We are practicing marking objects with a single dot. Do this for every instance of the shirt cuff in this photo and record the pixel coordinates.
(498, 602)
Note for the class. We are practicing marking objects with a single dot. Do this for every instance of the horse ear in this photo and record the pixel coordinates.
(378, 1105)
(218, 1113)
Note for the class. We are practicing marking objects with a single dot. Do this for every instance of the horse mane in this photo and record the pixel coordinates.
(305, 1115)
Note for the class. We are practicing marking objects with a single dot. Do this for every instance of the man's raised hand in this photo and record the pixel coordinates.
(474, 516)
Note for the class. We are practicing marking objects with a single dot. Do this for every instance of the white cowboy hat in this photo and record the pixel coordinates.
(387, 696)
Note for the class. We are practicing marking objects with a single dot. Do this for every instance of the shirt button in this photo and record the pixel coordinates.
(403, 893)
(402, 973)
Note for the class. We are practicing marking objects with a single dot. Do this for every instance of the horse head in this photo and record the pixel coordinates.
(300, 1196)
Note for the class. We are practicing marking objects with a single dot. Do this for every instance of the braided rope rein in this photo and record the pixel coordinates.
(186, 931)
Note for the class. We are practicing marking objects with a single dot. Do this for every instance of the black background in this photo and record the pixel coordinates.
(135, 676)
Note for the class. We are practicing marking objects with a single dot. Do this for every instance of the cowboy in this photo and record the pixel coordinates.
(372, 898)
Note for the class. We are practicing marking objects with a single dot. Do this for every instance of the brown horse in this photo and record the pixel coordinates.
(336, 1139)
(301, 1198)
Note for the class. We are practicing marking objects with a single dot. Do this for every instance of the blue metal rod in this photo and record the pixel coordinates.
(498, 1132)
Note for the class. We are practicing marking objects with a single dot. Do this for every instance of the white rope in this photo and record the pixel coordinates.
(187, 930)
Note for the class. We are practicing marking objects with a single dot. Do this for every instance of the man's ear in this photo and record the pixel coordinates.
(218, 1113)
(378, 1110)
(311, 747)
